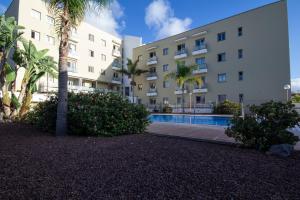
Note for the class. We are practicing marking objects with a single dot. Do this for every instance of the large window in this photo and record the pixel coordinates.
(221, 57)
(165, 67)
(241, 98)
(222, 98)
(91, 69)
(200, 99)
(165, 51)
(50, 20)
(221, 36)
(200, 61)
(35, 35)
(50, 40)
(91, 37)
(71, 66)
(200, 42)
(222, 77)
(35, 14)
(152, 54)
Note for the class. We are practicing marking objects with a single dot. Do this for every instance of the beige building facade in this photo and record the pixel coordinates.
(243, 58)
(95, 57)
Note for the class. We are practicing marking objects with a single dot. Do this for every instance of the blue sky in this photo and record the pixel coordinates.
(154, 19)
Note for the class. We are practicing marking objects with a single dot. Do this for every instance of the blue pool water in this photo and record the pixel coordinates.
(191, 119)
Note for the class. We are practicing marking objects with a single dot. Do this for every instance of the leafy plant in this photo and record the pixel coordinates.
(227, 107)
(265, 125)
(296, 98)
(99, 115)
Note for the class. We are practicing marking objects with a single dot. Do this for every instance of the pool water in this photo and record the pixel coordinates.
(191, 119)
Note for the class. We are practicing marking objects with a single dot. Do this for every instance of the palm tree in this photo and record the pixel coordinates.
(68, 13)
(36, 64)
(133, 71)
(9, 36)
(183, 76)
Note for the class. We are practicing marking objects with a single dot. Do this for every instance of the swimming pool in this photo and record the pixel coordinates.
(191, 119)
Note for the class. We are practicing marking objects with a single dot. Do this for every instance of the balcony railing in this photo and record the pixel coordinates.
(181, 54)
(116, 53)
(179, 91)
(199, 49)
(72, 54)
(77, 88)
(116, 80)
(200, 89)
(151, 76)
(152, 92)
(74, 70)
(152, 61)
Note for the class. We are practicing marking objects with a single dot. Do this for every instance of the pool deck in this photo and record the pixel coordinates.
(215, 134)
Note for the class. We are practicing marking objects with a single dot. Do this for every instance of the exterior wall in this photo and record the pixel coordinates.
(265, 63)
(81, 78)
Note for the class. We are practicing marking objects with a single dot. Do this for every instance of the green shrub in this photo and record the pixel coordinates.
(265, 125)
(93, 115)
(167, 109)
(227, 107)
(296, 98)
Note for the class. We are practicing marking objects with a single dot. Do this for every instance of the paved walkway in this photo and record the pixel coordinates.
(199, 132)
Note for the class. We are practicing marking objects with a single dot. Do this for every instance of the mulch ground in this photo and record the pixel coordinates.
(35, 165)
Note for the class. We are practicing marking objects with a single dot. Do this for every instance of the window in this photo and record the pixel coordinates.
(165, 51)
(221, 57)
(72, 48)
(241, 98)
(181, 47)
(240, 31)
(200, 99)
(221, 36)
(152, 54)
(221, 77)
(152, 70)
(241, 76)
(35, 35)
(91, 69)
(166, 84)
(103, 43)
(165, 100)
(92, 53)
(179, 100)
(152, 86)
(222, 98)
(102, 72)
(240, 53)
(152, 101)
(103, 57)
(50, 20)
(91, 37)
(71, 66)
(166, 68)
(140, 87)
(200, 42)
(200, 61)
(116, 75)
(50, 40)
(35, 14)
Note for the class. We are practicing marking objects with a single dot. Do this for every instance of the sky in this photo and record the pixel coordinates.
(156, 19)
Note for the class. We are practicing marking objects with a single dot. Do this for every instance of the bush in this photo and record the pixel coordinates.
(265, 125)
(93, 115)
(296, 98)
(167, 109)
(227, 107)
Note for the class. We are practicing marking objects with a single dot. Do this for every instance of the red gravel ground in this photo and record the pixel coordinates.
(34, 165)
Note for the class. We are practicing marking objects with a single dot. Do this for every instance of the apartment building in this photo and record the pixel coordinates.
(243, 58)
(95, 57)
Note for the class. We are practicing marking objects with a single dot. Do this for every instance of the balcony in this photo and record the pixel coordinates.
(73, 54)
(180, 54)
(116, 66)
(152, 92)
(202, 68)
(72, 70)
(116, 80)
(179, 91)
(200, 49)
(116, 53)
(201, 89)
(152, 61)
(74, 37)
(151, 76)
(77, 88)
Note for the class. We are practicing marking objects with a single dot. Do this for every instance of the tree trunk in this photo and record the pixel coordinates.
(62, 107)
(182, 99)
(22, 92)
(132, 88)
(25, 105)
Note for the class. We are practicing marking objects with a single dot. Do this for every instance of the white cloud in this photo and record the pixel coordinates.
(295, 84)
(2, 9)
(160, 17)
(108, 19)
